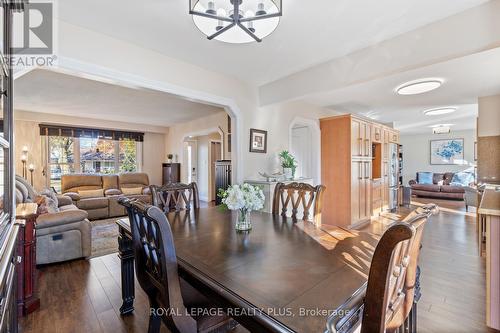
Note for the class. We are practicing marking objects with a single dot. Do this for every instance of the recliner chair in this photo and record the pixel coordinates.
(60, 236)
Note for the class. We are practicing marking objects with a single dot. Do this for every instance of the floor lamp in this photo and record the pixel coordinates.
(31, 168)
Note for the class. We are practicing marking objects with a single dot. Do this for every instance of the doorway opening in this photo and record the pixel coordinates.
(200, 154)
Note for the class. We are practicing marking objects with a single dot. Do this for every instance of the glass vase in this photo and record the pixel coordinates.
(244, 221)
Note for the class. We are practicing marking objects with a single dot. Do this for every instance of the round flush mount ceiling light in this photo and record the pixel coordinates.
(236, 21)
(419, 86)
(439, 111)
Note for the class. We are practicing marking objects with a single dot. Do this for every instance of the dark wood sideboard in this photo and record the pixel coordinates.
(27, 292)
(171, 173)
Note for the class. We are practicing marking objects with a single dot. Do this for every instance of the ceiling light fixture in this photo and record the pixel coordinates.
(419, 86)
(439, 111)
(236, 21)
(441, 130)
(440, 125)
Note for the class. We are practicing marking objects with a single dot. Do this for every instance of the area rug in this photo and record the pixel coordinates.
(104, 237)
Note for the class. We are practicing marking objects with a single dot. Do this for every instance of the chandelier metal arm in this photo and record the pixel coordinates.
(261, 17)
(245, 29)
(226, 28)
(215, 17)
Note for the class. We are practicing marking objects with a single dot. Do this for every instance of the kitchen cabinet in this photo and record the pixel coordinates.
(347, 162)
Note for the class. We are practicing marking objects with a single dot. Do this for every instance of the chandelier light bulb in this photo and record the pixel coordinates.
(260, 9)
(211, 8)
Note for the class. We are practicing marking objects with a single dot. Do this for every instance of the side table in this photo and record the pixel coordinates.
(27, 289)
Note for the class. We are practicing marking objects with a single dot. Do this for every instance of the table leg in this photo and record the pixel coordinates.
(126, 255)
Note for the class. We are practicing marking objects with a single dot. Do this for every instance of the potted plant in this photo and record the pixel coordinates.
(288, 163)
(243, 198)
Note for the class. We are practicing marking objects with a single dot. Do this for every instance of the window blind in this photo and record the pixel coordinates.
(95, 133)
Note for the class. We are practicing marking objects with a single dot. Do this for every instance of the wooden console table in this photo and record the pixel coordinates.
(27, 292)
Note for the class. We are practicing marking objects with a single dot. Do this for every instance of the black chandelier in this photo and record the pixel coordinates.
(236, 21)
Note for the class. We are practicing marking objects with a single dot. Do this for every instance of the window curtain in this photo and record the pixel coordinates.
(80, 132)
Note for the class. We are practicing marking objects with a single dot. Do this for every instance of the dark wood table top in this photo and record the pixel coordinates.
(296, 272)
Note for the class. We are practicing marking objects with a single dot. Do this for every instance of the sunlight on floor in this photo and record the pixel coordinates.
(448, 210)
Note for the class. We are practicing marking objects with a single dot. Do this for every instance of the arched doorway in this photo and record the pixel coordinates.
(305, 145)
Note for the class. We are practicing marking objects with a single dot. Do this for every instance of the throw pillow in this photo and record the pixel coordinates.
(441, 183)
(85, 194)
(448, 176)
(49, 193)
(46, 205)
(132, 190)
(425, 177)
(463, 178)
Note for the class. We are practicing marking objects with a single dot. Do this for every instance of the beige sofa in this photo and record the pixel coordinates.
(98, 194)
(60, 236)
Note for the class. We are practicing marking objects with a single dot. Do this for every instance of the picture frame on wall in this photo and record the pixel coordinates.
(447, 151)
(258, 141)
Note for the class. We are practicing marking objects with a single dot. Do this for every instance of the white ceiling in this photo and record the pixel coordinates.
(56, 93)
(466, 79)
(310, 32)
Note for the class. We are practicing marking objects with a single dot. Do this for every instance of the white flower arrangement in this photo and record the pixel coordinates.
(243, 197)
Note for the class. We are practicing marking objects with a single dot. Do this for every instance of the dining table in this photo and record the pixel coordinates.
(281, 276)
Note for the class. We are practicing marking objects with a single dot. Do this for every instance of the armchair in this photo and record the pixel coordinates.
(471, 197)
(60, 236)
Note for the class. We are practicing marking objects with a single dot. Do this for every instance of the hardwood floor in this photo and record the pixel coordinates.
(85, 296)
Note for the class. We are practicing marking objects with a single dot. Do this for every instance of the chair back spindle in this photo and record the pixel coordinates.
(175, 197)
(299, 195)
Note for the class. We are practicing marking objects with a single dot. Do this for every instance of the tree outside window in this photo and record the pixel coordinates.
(61, 159)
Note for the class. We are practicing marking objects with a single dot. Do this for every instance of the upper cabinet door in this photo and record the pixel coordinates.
(367, 139)
(394, 137)
(377, 134)
(361, 134)
(356, 138)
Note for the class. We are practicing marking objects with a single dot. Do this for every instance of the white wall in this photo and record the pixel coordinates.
(416, 150)
(276, 119)
(488, 123)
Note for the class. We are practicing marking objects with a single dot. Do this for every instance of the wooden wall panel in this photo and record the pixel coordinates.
(488, 159)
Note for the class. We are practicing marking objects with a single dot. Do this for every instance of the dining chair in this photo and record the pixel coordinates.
(298, 195)
(171, 298)
(175, 196)
(385, 303)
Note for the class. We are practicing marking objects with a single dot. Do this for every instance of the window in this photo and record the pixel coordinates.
(61, 159)
(97, 156)
(90, 155)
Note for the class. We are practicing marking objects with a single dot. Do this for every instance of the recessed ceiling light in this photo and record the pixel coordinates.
(419, 86)
(439, 111)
